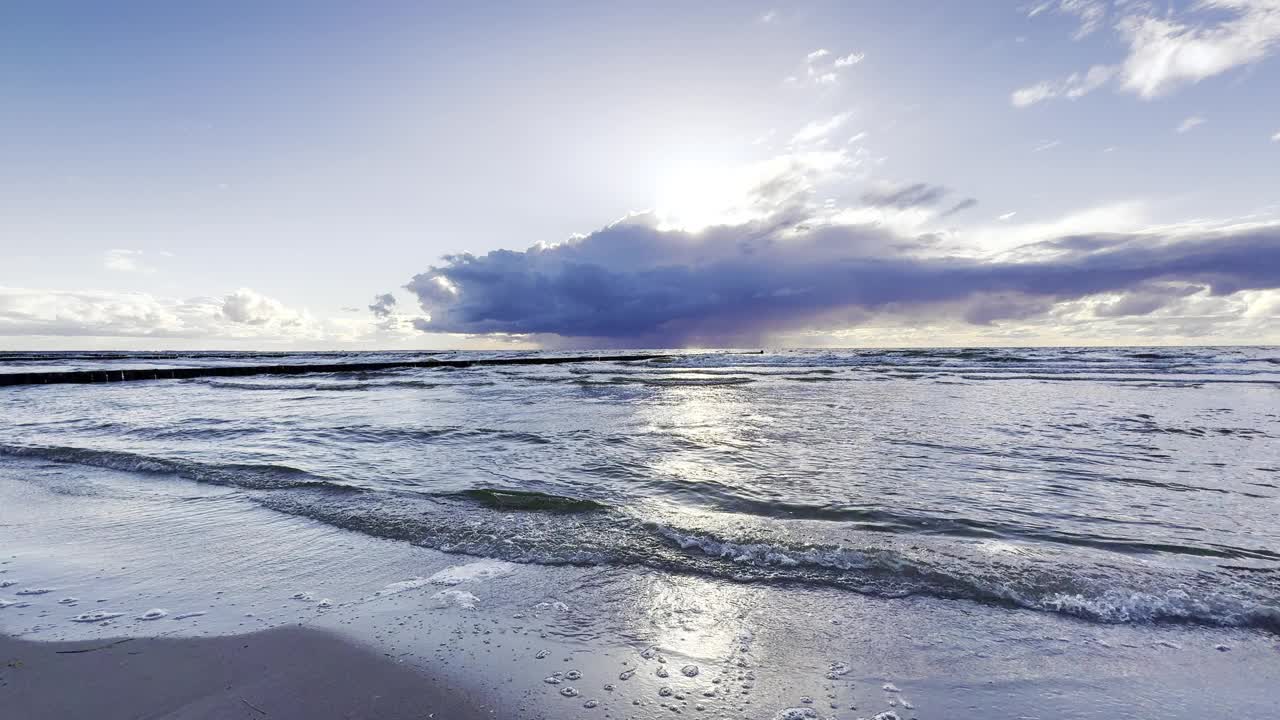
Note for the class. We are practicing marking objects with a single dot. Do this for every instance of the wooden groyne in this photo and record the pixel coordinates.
(102, 376)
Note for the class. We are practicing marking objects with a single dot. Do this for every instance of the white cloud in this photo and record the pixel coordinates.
(1165, 54)
(251, 308)
(1168, 50)
(818, 130)
(1276, 137)
(769, 16)
(849, 60)
(822, 68)
(1047, 145)
(1032, 94)
(1190, 124)
(1090, 13)
(1007, 216)
(244, 314)
(1075, 86)
(125, 261)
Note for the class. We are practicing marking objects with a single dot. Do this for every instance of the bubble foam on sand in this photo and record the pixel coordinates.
(6, 603)
(403, 586)
(95, 616)
(153, 614)
(34, 591)
(184, 616)
(68, 601)
(479, 570)
(796, 713)
(460, 598)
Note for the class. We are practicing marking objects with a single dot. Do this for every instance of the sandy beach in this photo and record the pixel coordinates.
(287, 673)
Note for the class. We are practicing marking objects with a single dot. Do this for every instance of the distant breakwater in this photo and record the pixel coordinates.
(128, 375)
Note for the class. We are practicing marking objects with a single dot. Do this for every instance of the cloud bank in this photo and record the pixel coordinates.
(635, 284)
(243, 314)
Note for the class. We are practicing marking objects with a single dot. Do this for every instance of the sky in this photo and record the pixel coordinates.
(339, 175)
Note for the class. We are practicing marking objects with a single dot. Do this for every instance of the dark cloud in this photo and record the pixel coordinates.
(383, 305)
(906, 197)
(1146, 300)
(633, 284)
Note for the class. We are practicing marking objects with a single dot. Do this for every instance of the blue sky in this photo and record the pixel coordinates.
(242, 174)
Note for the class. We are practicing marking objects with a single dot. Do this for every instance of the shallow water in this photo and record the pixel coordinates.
(1118, 486)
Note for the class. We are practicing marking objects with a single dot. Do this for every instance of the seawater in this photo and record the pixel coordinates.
(1113, 485)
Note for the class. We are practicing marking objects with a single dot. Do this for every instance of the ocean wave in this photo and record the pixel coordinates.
(517, 527)
(265, 476)
(508, 499)
(1091, 595)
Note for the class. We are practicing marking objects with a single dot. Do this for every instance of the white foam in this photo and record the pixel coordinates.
(153, 614)
(34, 591)
(95, 616)
(6, 603)
(68, 601)
(796, 713)
(184, 616)
(404, 586)
(472, 572)
(461, 598)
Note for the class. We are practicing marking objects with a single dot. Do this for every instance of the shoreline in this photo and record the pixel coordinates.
(93, 556)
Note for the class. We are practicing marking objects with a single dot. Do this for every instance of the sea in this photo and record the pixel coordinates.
(1085, 491)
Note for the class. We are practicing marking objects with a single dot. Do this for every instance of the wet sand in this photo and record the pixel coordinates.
(273, 675)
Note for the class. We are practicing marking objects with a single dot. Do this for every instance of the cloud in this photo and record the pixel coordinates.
(849, 60)
(1190, 124)
(769, 16)
(1046, 145)
(632, 283)
(818, 130)
(1276, 137)
(88, 313)
(1167, 50)
(1007, 216)
(383, 305)
(1090, 13)
(959, 207)
(1076, 85)
(908, 196)
(251, 308)
(121, 260)
(821, 67)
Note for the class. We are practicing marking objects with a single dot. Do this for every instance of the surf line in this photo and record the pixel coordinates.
(101, 376)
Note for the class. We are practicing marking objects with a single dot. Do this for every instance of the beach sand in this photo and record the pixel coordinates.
(277, 674)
